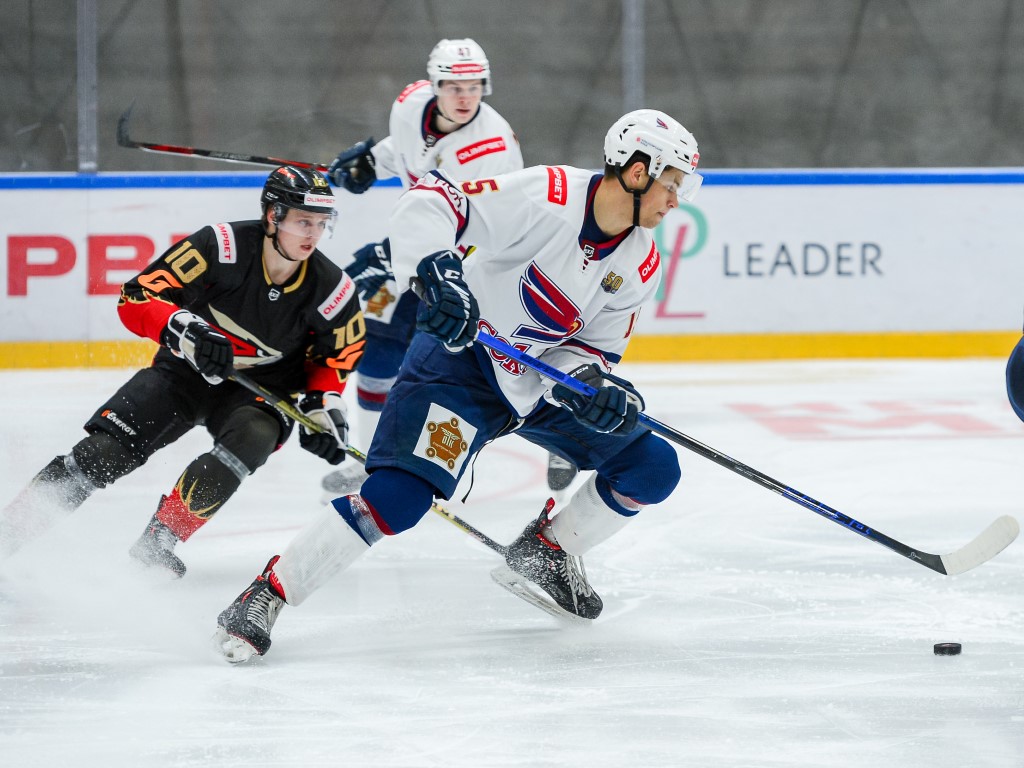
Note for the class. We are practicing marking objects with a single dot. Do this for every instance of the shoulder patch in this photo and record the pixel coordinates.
(410, 88)
(557, 190)
(338, 299)
(480, 149)
(226, 253)
(650, 266)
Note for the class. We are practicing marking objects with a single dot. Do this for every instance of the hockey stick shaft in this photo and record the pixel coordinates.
(124, 140)
(285, 406)
(993, 540)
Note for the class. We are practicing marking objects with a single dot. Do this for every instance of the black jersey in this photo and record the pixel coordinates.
(306, 334)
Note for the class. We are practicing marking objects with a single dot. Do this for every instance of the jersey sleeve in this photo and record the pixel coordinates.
(169, 283)
(384, 161)
(338, 339)
(438, 214)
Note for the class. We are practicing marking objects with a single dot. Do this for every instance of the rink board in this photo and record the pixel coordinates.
(764, 265)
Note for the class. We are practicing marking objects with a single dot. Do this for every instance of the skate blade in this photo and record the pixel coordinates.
(233, 649)
(526, 590)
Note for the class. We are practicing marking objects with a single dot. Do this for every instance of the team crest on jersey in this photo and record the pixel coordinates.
(445, 439)
(380, 301)
(555, 314)
(274, 293)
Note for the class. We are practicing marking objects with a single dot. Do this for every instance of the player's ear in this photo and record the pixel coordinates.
(635, 174)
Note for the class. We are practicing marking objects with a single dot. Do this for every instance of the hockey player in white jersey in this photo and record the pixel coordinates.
(566, 260)
(443, 124)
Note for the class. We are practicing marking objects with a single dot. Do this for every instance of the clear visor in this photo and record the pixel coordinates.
(454, 89)
(306, 223)
(685, 189)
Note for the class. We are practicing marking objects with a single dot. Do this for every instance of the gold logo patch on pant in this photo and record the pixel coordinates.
(445, 439)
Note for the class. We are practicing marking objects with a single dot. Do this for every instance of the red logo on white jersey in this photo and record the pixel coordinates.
(650, 265)
(557, 191)
(480, 148)
(338, 299)
(410, 88)
(225, 243)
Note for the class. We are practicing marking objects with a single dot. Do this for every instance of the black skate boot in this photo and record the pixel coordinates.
(543, 574)
(561, 473)
(155, 547)
(243, 628)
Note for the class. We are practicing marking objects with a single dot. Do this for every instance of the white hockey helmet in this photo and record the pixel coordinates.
(664, 140)
(459, 60)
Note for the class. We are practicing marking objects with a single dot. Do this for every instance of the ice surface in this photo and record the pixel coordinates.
(739, 629)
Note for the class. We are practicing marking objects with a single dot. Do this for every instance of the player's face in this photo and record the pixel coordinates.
(459, 100)
(298, 232)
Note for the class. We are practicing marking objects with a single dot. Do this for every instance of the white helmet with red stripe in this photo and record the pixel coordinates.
(459, 60)
(664, 140)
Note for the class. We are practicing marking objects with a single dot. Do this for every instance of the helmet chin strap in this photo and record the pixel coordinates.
(273, 237)
(637, 194)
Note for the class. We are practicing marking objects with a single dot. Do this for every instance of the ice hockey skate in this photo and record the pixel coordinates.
(155, 548)
(561, 473)
(345, 481)
(543, 574)
(243, 628)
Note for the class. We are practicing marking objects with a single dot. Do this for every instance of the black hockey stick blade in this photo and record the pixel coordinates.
(125, 140)
(989, 543)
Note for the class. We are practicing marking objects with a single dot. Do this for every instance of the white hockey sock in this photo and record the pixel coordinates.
(325, 547)
(586, 520)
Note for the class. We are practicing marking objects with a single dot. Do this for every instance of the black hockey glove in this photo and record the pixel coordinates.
(371, 268)
(353, 169)
(204, 347)
(614, 408)
(449, 311)
(328, 410)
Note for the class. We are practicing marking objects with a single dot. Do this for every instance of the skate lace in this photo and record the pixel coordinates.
(575, 575)
(264, 608)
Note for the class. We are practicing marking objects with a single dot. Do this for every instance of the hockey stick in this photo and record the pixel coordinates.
(285, 406)
(990, 542)
(124, 140)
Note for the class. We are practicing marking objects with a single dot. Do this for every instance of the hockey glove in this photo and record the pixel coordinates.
(328, 410)
(371, 268)
(449, 311)
(204, 347)
(353, 169)
(614, 408)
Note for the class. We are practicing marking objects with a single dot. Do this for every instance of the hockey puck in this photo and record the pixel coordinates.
(947, 649)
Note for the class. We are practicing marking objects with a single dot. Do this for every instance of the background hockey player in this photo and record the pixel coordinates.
(566, 260)
(440, 123)
(254, 294)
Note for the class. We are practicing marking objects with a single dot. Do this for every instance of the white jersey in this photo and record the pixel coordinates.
(485, 146)
(547, 280)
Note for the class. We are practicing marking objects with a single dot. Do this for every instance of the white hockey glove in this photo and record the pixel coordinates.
(614, 408)
(328, 410)
(204, 347)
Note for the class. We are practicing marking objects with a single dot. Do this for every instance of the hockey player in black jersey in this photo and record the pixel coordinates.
(249, 295)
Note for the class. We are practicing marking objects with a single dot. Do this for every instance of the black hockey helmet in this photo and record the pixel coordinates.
(302, 188)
